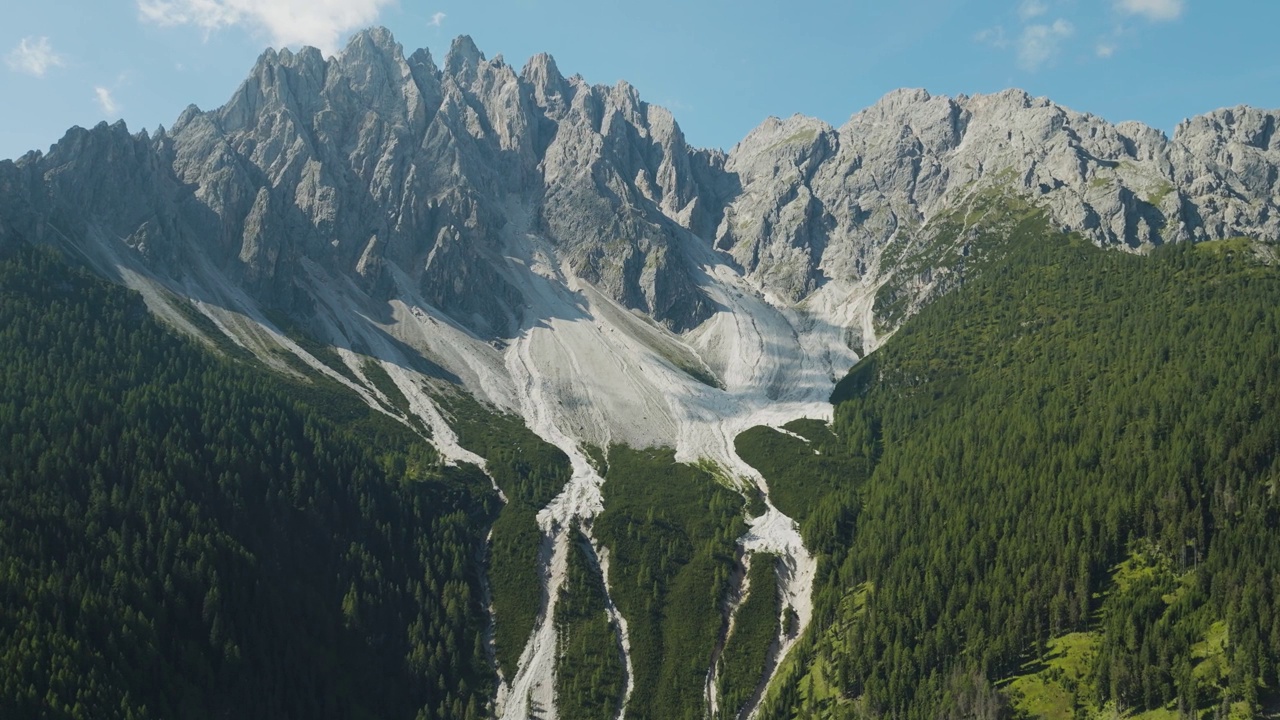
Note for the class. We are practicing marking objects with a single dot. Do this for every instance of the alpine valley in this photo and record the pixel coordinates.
(396, 388)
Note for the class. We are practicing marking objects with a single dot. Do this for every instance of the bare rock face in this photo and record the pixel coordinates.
(377, 169)
(371, 161)
(779, 226)
(821, 203)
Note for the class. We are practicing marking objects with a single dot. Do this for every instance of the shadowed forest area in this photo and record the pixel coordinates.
(186, 536)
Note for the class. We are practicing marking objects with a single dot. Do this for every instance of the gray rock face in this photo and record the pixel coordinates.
(820, 202)
(372, 161)
(372, 167)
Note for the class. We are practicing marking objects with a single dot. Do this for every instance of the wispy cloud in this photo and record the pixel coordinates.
(33, 56)
(1155, 10)
(1039, 30)
(1035, 39)
(1030, 9)
(1040, 43)
(1122, 32)
(993, 36)
(437, 19)
(108, 103)
(321, 23)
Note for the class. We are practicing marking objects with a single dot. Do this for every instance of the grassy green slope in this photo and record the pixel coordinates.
(1029, 433)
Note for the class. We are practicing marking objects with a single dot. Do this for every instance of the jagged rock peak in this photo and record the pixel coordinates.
(270, 59)
(1243, 124)
(908, 101)
(625, 95)
(372, 46)
(423, 57)
(773, 124)
(463, 56)
(373, 37)
(542, 72)
(904, 96)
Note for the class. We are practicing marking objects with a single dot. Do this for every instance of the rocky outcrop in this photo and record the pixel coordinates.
(820, 202)
(374, 166)
(373, 160)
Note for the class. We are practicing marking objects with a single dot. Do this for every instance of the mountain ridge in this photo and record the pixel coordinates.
(322, 146)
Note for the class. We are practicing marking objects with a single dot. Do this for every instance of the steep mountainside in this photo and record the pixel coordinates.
(372, 161)
(404, 229)
(181, 536)
(1054, 494)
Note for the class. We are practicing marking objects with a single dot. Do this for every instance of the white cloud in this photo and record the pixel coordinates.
(33, 56)
(1105, 50)
(1157, 10)
(992, 36)
(321, 23)
(106, 102)
(1039, 44)
(437, 19)
(1029, 9)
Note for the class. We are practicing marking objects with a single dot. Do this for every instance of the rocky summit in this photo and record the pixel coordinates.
(373, 162)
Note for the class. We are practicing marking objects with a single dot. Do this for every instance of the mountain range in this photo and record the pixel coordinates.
(371, 163)
(412, 229)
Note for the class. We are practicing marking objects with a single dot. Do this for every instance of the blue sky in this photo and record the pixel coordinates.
(722, 66)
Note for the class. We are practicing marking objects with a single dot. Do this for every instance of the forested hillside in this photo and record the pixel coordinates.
(186, 537)
(671, 529)
(1064, 487)
(531, 472)
(1053, 493)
